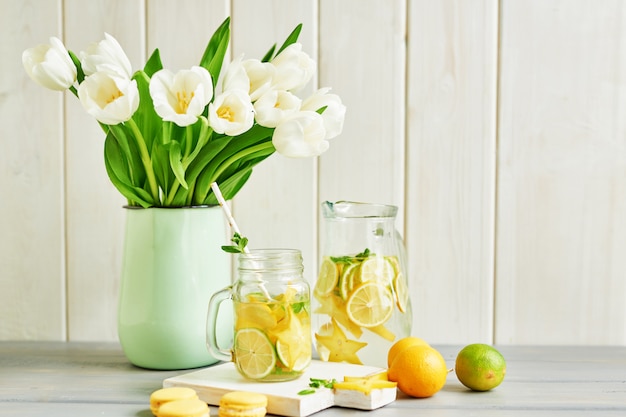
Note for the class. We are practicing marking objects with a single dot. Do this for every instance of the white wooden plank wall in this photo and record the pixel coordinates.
(562, 173)
(497, 127)
(451, 141)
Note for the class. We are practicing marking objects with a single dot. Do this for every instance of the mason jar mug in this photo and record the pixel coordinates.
(272, 325)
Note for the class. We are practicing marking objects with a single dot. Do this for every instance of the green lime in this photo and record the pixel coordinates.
(480, 367)
(254, 352)
(347, 283)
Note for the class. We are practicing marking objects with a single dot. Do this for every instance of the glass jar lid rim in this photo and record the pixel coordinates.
(271, 259)
(270, 252)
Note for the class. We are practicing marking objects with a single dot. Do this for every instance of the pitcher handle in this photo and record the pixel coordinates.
(211, 325)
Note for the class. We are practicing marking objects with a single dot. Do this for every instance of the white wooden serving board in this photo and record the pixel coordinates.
(283, 399)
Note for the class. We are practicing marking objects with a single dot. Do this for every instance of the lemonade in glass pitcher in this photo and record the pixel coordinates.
(361, 301)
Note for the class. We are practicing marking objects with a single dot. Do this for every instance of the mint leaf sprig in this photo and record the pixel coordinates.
(349, 259)
(318, 383)
(239, 246)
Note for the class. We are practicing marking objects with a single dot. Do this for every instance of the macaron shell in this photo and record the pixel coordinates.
(243, 400)
(257, 412)
(242, 404)
(164, 395)
(184, 408)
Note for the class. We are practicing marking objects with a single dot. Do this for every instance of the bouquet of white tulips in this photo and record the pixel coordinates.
(169, 136)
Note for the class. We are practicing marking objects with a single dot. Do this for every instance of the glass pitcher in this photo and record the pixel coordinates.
(361, 301)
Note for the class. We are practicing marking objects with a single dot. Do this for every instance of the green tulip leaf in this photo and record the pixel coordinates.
(146, 117)
(80, 74)
(229, 187)
(153, 64)
(204, 136)
(117, 169)
(160, 165)
(213, 56)
(136, 172)
(269, 55)
(292, 38)
(206, 155)
(176, 163)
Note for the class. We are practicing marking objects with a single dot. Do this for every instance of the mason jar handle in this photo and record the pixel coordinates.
(211, 325)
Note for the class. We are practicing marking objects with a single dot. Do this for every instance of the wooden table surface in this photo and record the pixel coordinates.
(95, 379)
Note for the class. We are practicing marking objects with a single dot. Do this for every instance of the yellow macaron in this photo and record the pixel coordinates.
(165, 395)
(184, 408)
(242, 404)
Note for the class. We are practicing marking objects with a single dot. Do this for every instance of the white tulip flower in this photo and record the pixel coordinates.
(301, 135)
(231, 113)
(181, 97)
(109, 98)
(274, 106)
(251, 76)
(235, 76)
(50, 65)
(333, 115)
(261, 75)
(294, 68)
(106, 55)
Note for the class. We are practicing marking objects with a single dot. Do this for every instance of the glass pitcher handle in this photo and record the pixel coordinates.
(211, 325)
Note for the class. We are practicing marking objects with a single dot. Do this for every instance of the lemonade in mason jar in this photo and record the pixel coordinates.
(361, 298)
(272, 330)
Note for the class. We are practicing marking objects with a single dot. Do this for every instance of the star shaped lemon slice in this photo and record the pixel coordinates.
(341, 349)
(365, 384)
(293, 344)
(333, 307)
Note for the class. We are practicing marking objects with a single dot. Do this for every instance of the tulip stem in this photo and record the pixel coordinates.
(185, 162)
(190, 191)
(172, 192)
(145, 159)
(188, 140)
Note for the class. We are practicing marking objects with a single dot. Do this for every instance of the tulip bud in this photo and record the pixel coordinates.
(50, 65)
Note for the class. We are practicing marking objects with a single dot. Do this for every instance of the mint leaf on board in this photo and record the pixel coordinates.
(316, 383)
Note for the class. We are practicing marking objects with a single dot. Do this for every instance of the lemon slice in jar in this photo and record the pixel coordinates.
(254, 314)
(293, 343)
(293, 357)
(254, 352)
(370, 305)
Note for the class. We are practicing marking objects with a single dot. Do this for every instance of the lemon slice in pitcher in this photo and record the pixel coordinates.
(328, 277)
(254, 352)
(402, 292)
(370, 305)
(377, 269)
